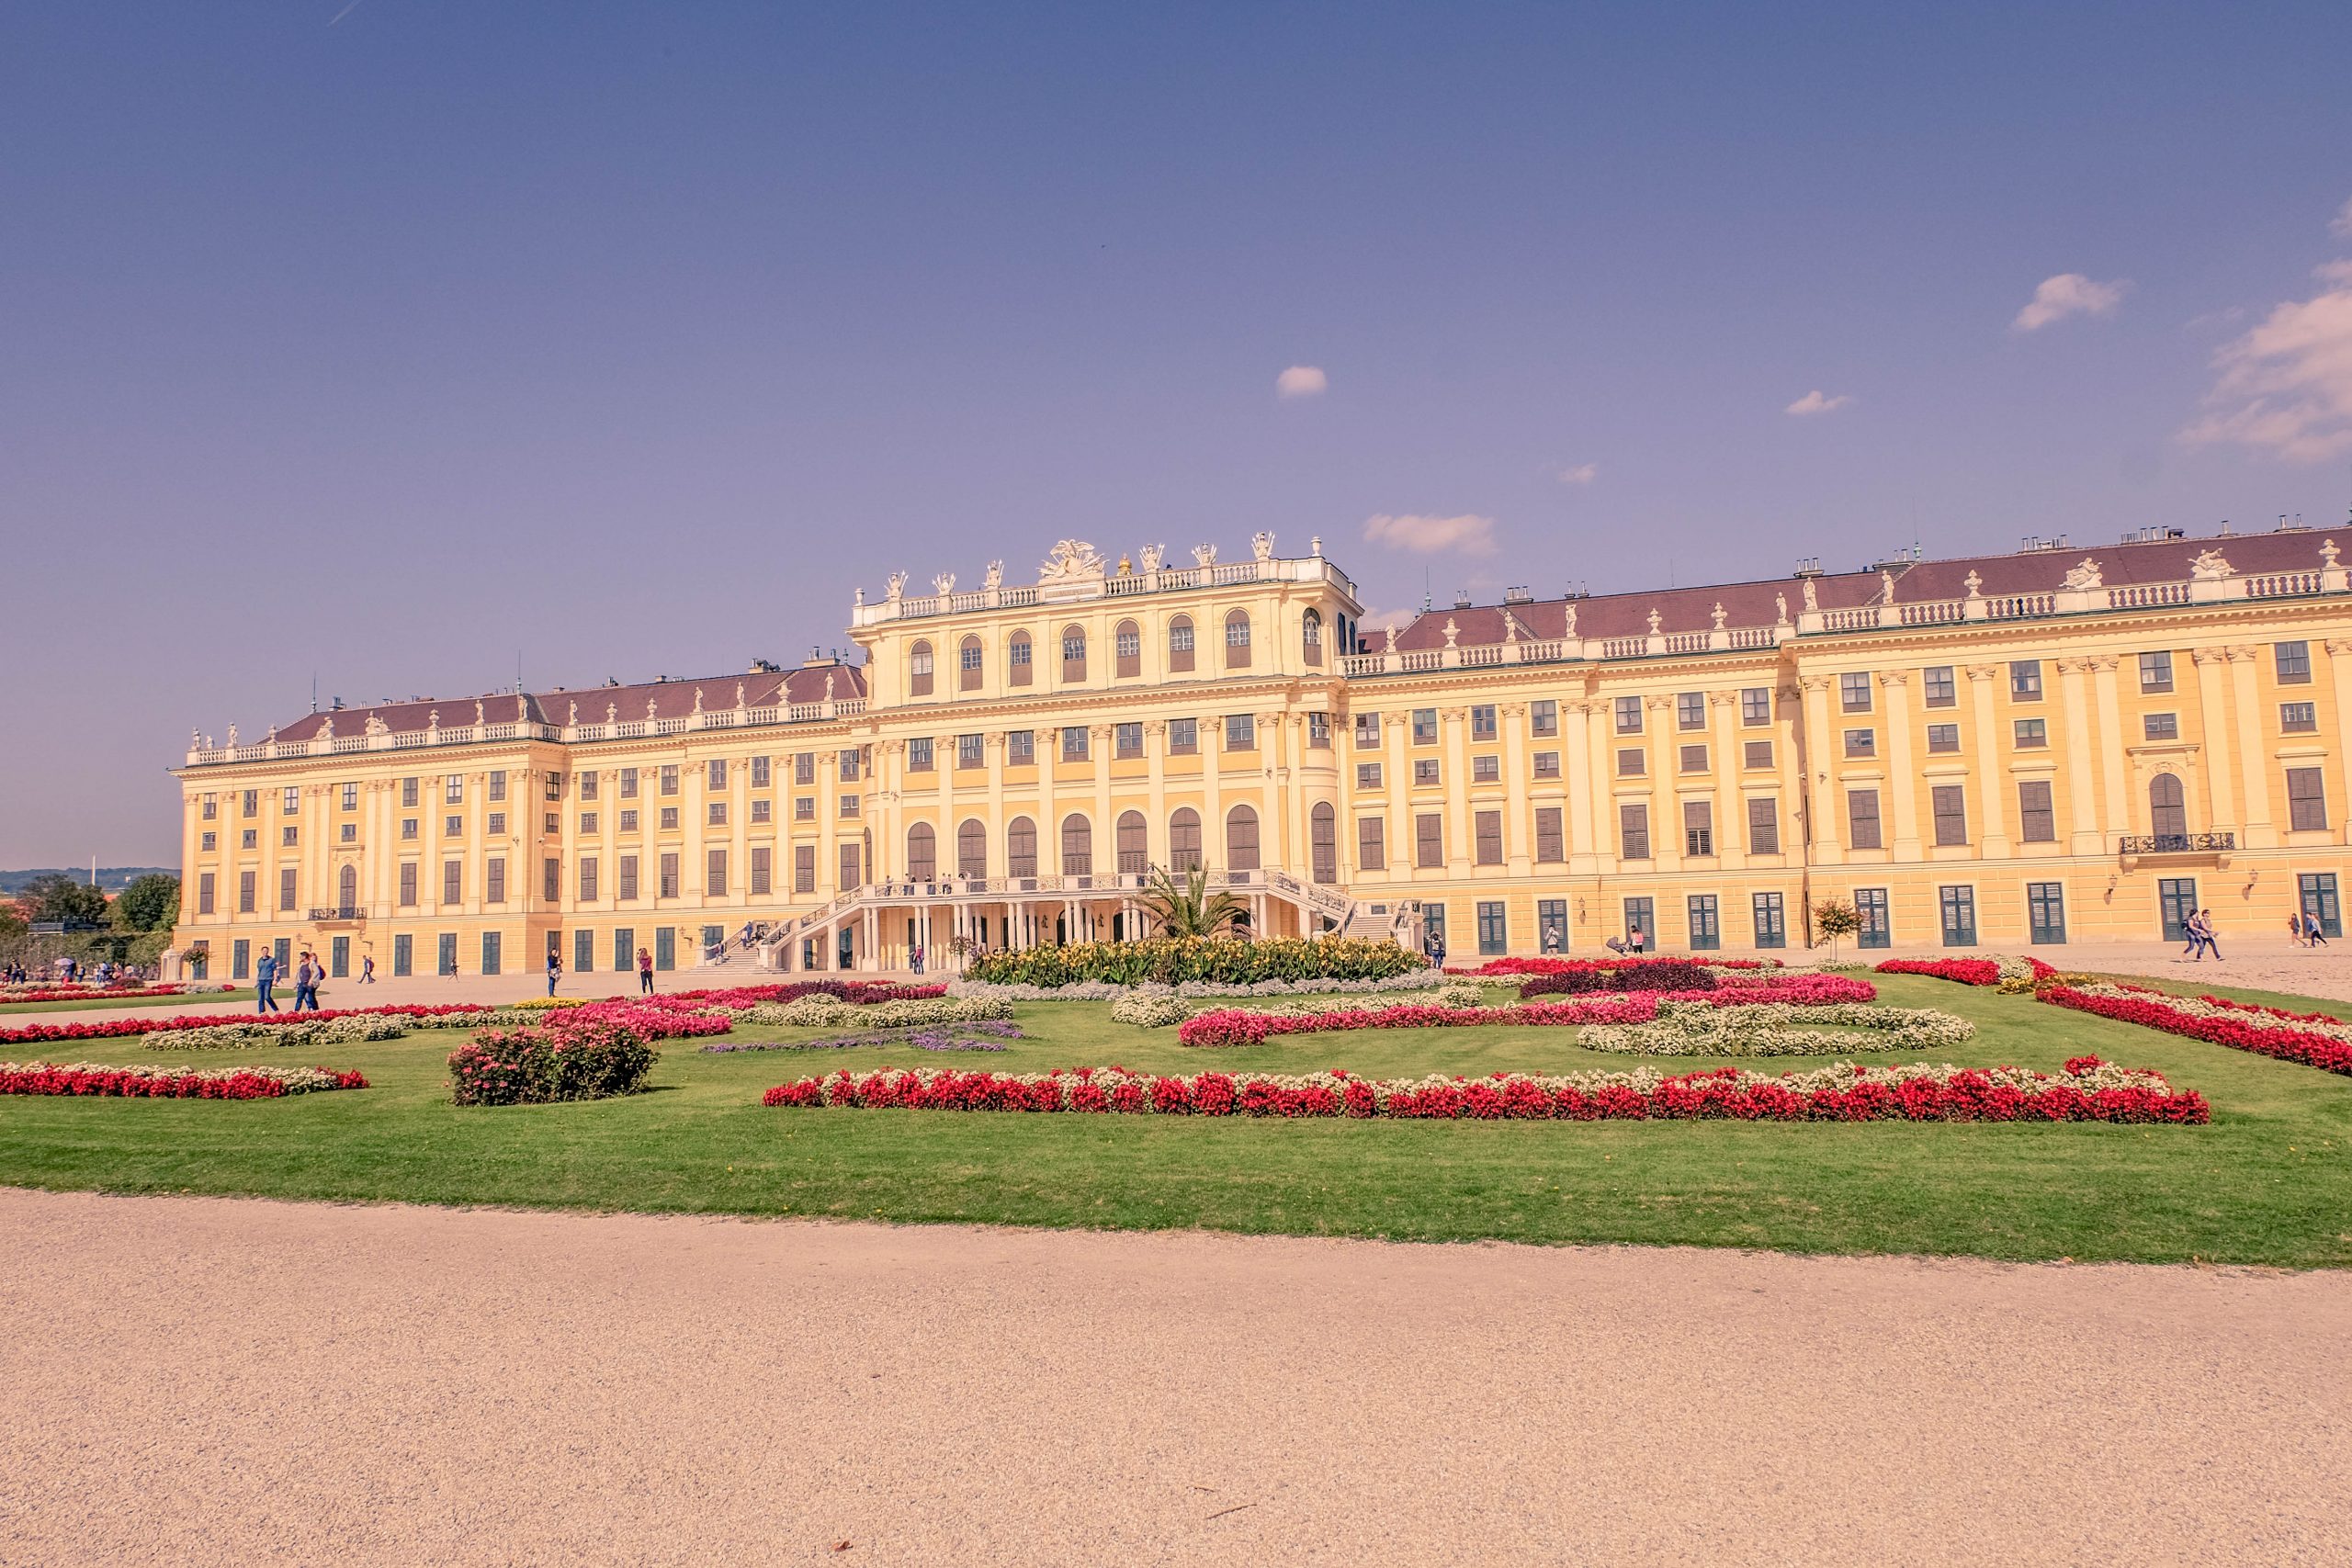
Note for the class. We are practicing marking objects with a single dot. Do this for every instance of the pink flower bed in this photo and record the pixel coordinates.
(9, 997)
(1502, 966)
(1237, 1026)
(2090, 1090)
(2313, 1039)
(1967, 971)
(89, 1078)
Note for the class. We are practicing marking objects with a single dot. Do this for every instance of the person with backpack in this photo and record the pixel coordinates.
(555, 969)
(306, 983)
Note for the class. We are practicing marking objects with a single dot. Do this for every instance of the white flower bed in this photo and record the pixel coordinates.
(830, 1012)
(1104, 991)
(304, 1032)
(1777, 1029)
(1161, 1007)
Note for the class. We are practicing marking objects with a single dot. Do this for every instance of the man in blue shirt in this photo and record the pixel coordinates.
(265, 977)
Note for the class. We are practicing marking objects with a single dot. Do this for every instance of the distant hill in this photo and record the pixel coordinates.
(113, 878)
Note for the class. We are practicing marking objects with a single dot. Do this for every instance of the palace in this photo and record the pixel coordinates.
(2059, 744)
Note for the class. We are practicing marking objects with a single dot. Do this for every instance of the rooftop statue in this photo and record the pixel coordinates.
(1152, 556)
(1204, 554)
(1071, 560)
(2211, 565)
(895, 586)
(1812, 595)
(2083, 578)
(1262, 546)
(993, 579)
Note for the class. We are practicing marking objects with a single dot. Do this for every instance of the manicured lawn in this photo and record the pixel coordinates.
(10, 1009)
(2270, 1181)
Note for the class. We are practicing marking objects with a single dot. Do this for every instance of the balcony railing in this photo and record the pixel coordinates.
(2177, 843)
(339, 912)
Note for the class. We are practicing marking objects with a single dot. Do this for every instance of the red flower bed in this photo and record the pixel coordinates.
(860, 992)
(153, 1083)
(1235, 1026)
(1499, 967)
(2090, 1091)
(87, 993)
(1967, 971)
(2241, 1026)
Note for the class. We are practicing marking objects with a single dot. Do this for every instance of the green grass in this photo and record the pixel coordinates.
(10, 1009)
(2269, 1182)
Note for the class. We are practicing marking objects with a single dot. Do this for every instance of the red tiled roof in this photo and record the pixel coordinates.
(651, 699)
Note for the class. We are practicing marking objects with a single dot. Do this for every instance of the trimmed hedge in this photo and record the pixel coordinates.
(1657, 975)
(1173, 961)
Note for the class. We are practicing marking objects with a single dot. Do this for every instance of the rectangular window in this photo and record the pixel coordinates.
(718, 814)
(551, 880)
(2030, 734)
(1861, 743)
(1543, 718)
(2293, 660)
(408, 795)
(204, 885)
(1861, 820)
(1073, 743)
(1367, 776)
(349, 834)
(714, 874)
(453, 882)
(1240, 732)
(1633, 762)
(211, 808)
(971, 752)
(1950, 803)
(804, 868)
(1698, 828)
(1629, 716)
(1425, 770)
(1943, 737)
(1690, 710)
(351, 797)
(1757, 754)
(453, 789)
(2045, 913)
(760, 778)
(919, 755)
(588, 885)
(1367, 732)
(2037, 818)
(1021, 749)
(804, 810)
(1127, 739)
(2306, 801)
(1485, 769)
(1854, 691)
(1184, 737)
(1772, 920)
(1694, 759)
(494, 880)
(286, 888)
(1755, 706)
(624, 948)
(498, 783)
(1877, 926)
(1318, 732)
(803, 768)
(1551, 924)
(1935, 683)
(583, 951)
(249, 839)
(252, 803)
(849, 806)
(1633, 830)
(763, 811)
(212, 842)
(669, 778)
(286, 836)
(2025, 680)
(496, 825)
(2298, 718)
(1763, 826)
(1073, 655)
(1424, 727)
(1433, 926)
(1482, 722)
(1372, 844)
(2155, 671)
(849, 866)
(408, 885)
(1020, 659)
(628, 888)
(291, 803)
(1492, 935)
(403, 955)
(665, 947)
(1958, 905)
(2160, 727)
(492, 950)
(1551, 846)
(447, 953)
(847, 765)
(763, 874)
(669, 818)
(1428, 840)
(241, 959)
(1126, 648)
(555, 786)
(1547, 765)
(667, 887)
(629, 822)
(1706, 923)
(628, 784)
(2319, 901)
(1487, 828)
(1641, 921)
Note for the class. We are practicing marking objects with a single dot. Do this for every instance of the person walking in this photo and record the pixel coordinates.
(914, 958)
(2205, 934)
(2313, 936)
(367, 970)
(306, 982)
(645, 971)
(265, 981)
(1436, 950)
(555, 969)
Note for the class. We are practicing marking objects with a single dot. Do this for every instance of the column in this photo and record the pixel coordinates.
(1986, 747)
(1584, 757)
(2253, 758)
(2214, 729)
(1155, 827)
(1828, 801)
(1106, 831)
(1662, 746)
(1517, 824)
(1398, 767)
(2339, 676)
(2113, 761)
(1731, 847)
(1286, 782)
(1212, 793)
(2082, 802)
(1903, 782)
(1454, 729)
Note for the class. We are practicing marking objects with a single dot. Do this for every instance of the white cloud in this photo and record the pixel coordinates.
(2068, 294)
(2286, 387)
(2342, 223)
(1301, 381)
(1470, 534)
(1814, 402)
(1582, 474)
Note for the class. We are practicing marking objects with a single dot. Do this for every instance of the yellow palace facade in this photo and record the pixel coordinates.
(2056, 745)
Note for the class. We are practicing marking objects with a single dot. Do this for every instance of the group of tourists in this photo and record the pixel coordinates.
(306, 975)
(2304, 928)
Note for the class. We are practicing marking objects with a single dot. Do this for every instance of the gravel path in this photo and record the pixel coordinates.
(212, 1381)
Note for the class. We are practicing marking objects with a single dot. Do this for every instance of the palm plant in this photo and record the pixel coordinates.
(1187, 908)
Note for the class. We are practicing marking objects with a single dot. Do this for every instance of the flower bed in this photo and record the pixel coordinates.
(1168, 961)
(1240, 1026)
(10, 996)
(1658, 974)
(980, 1035)
(1503, 968)
(299, 1029)
(1412, 980)
(596, 1060)
(2090, 1090)
(737, 998)
(1776, 1029)
(2013, 974)
(1158, 1007)
(170, 1083)
(830, 1012)
(2313, 1039)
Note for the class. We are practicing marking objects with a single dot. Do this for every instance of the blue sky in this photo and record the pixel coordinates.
(380, 342)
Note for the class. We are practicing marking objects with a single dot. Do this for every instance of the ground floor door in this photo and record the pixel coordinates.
(2318, 890)
(1551, 924)
(2045, 912)
(1493, 936)
(2176, 901)
(1959, 907)
(1706, 923)
(1877, 929)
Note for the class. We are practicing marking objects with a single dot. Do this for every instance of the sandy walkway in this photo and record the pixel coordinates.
(192, 1380)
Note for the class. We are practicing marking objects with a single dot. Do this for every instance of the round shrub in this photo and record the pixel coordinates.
(539, 1066)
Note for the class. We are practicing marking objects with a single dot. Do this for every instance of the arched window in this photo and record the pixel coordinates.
(1323, 841)
(968, 665)
(1241, 840)
(1179, 643)
(922, 853)
(919, 669)
(1021, 848)
(1310, 632)
(1184, 840)
(2167, 814)
(1077, 846)
(1126, 648)
(1073, 653)
(347, 888)
(971, 848)
(1237, 640)
(1132, 853)
(1019, 655)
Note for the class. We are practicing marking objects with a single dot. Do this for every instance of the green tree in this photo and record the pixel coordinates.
(1189, 909)
(57, 897)
(1834, 917)
(149, 903)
